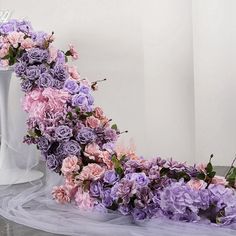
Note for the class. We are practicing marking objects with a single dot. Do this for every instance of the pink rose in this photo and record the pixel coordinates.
(106, 158)
(92, 151)
(196, 184)
(73, 52)
(27, 43)
(52, 54)
(99, 113)
(15, 38)
(73, 72)
(83, 200)
(69, 165)
(91, 172)
(219, 180)
(92, 122)
(61, 194)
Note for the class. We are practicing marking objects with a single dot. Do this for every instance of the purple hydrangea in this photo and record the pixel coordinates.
(63, 133)
(71, 147)
(111, 177)
(71, 86)
(86, 135)
(39, 37)
(45, 80)
(37, 55)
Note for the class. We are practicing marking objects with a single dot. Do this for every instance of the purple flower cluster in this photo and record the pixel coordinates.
(16, 25)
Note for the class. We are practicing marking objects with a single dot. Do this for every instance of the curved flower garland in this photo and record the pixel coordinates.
(76, 140)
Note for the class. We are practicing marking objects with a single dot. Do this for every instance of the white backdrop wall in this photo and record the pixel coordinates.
(145, 49)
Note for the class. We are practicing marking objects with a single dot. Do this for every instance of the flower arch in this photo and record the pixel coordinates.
(78, 141)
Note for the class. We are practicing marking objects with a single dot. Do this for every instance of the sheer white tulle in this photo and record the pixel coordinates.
(31, 204)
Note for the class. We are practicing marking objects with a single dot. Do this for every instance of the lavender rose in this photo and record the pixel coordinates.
(33, 72)
(20, 69)
(26, 85)
(45, 80)
(63, 133)
(37, 55)
(60, 72)
(139, 214)
(86, 135)
(71, 147)
(53, 163)
(95, 189)
(110, 177)
(71, 86)
(43, 144)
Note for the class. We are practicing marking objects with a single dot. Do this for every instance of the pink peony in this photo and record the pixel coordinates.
(99, 113)
(91, 172)
(92, 122)
(52, 54)
(73, 72)
(83, 200)
(73, 52)
(92, 151)
(15, 38)
(69, 165)
(219, 180)
(61, 194)
(196, 184)
(27, 43)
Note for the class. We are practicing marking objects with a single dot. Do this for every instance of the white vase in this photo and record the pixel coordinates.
(9, 173)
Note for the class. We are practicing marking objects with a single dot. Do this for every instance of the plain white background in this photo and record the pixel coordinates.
(169, 64)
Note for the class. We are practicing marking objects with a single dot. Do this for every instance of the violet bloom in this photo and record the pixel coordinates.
(37, 55)
(26, 85)
(39, 37)
(60, 72)
(107, 200)
(63, 133)
(53, 163)
(139, 214)
(110, 177)
(71, 147)
(110, 135)
(24, 26)
(141, 179)
(8, 27)
(86, 135)
(58, 84)
(71, 86)
(45, 80)
(95, 189)
(84, 89)
(33, 72)
(79, 100)
(43, 144)
(110, 146)
(20, 69)
(124, 209)
(60, 58)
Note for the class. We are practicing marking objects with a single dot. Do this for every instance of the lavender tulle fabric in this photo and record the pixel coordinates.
(32, 205)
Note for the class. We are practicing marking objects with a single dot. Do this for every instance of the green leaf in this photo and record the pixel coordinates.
(77, 110)
(119, 170)
(114, 126)
(201, 176)
(212, 174)
(69, 115)
(209, 168)
(164, 171)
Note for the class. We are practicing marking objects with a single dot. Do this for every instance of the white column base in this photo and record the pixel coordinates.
(18, 176)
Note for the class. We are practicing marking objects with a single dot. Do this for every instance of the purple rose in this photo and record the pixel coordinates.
(60, 72)
(60, 58)
(110, 135)
(84, 89)
(45, 80)
(8, 27)
(24, 26)
(86, 135)
(107, 200)
(139, 214)
(71, 86)
(124, 209)
(63, 133)
(53, 163)
(79, 100)
(71, 147)
(26, 85)
(109, 147)
(141, 179)
(90, 100)
(20, 69)
(39, 37)
(110, 177)
(95, 189)
(37, 55)
(58, 84)
(43, 144)
(33, 72)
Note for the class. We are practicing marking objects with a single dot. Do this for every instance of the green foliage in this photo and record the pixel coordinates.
(117, 164)
(231, 176)
(114, 126)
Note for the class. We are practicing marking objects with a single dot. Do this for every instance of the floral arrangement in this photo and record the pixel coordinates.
(77, 140)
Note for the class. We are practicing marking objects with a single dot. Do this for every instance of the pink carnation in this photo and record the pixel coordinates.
(91, 172)
(15, 38)
(106, 158)
(52, 54)
(219, 180)
(92, 151)
(4, 63)
(73, 52)
(27, 43)
(99, 113)
(69, 165)
(201, 167)
(61, 194)
(92, 122)
(196, 184)
(73, 72)
(4, 50)
(83, 200)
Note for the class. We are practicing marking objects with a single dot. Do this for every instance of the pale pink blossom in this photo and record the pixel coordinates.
(91, 172)
(98, 113)
(73, 72)
(61, 194)
(4, 50)
(92, 122)
(69, 165)
(219, 180)
(92, 151)
(27, 43)
(4, 63)
(196, 184)
(15, 38)
(201, 167)
(73, 52)
(106, 158)
(83, 200)
(52, 54)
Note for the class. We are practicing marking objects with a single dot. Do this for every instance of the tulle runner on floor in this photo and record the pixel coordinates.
(32, 205)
